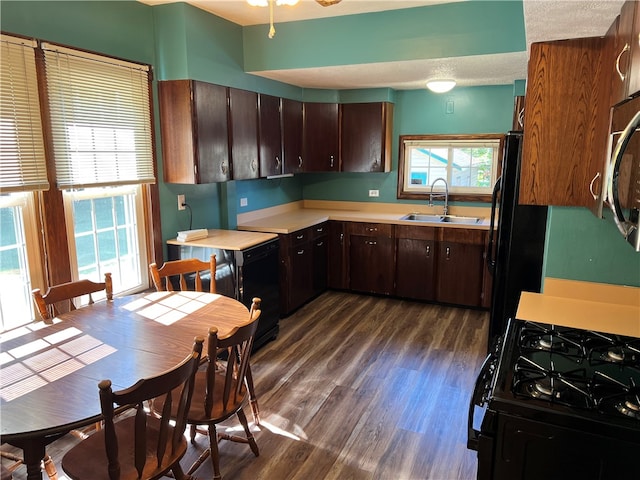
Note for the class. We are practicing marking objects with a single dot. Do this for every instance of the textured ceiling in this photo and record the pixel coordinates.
(544, 20)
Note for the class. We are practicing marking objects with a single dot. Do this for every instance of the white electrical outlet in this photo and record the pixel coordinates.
(374, 193)
(244, 202)
(181, 202)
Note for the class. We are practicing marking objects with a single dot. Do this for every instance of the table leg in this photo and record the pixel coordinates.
(34, 452)
(252, 397)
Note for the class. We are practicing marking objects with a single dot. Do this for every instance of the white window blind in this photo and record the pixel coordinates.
(22, 159)
(100, 119)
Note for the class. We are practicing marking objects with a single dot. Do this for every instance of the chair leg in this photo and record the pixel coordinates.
(252, 396)
(252, 441)
(50, 468)
(215, 454)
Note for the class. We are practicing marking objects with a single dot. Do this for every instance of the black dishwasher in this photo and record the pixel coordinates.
(245, 274)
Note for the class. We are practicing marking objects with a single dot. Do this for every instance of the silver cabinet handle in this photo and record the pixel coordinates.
(278, 163)
(331, 161)
(625, 49)
(301, 252)
(593, 180)
(299, 161)
(223, 168)
(372, 242)
(448, 252)
(299, 237)
(319, 244)
(428, 250)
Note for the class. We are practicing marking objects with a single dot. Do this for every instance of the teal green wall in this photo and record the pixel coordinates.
(583, 247)
(181, 41)
(445, 30)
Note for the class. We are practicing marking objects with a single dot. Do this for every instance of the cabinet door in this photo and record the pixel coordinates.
(366, 137)
(243, 115)
(321, 137)
(301, 286)
(292, 112)
(337, 275)
(459, 274)
(371, 258)
(320, 252)
(566, 122)
(633, 86)
(270, 135)
(213, 132)
(415, 262)
(193, 125)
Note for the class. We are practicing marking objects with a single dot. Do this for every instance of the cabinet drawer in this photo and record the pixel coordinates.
(318, 230)
(300, 237)
(371, 229)
(415, 232)
(462, 235)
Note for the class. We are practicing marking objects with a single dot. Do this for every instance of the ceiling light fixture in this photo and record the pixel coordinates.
(440, 86)
(269, 3)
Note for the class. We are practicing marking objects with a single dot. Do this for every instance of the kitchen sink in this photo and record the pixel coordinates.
(422, 217)
(427, 218)
(459, 219)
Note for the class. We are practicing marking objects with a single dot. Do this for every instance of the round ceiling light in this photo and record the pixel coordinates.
(440, 86)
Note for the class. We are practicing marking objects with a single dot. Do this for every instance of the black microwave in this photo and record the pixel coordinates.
(623, 183)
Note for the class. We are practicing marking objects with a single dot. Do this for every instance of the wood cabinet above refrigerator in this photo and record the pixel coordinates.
(566, 122)
(193, 125)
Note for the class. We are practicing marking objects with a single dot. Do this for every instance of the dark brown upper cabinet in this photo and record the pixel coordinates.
(270, 135)
(625, 62)
(292, 124)
(321, 137)
(366, 130)
(193, 125)
(243, 133)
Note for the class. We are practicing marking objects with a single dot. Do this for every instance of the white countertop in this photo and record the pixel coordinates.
(228, 240)
(295, 216)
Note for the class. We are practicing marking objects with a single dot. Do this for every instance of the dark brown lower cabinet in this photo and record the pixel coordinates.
(303, 262)
(337, 273)
(460, 266)
(415, 262)
(371, 258)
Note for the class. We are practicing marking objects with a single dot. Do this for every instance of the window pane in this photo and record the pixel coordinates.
(467, 164)
(113, 243)
(16, 307)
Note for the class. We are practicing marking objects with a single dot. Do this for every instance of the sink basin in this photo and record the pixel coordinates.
(422, 217)
(458, 219)
(427, 218)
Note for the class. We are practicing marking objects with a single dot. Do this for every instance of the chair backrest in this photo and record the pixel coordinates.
(238, 348)
(151, 430)
(182, 269)
(61, 298)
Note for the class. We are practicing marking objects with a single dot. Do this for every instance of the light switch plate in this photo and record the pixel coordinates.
(374, 193)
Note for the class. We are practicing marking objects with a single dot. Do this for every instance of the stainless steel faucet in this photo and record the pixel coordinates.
(440, 195)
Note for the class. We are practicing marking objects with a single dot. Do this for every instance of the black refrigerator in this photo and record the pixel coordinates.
(515, 250)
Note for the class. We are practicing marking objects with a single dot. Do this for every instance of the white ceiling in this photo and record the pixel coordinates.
(544, 20)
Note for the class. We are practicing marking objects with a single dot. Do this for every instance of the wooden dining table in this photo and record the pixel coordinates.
(49, 372)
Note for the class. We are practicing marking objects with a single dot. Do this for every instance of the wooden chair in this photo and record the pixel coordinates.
(221, 391)
(61, 298)
(6, 472)
(182, 268)
(141, 445)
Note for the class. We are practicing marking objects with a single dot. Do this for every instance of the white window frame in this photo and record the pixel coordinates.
(408, 142)
(26, 202)
(93, 193)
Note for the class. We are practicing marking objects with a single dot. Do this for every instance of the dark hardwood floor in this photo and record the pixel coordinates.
(359, 387)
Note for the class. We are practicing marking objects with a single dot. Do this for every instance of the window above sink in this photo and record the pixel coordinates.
(468, 163)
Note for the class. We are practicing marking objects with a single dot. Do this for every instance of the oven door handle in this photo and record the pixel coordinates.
(477, 399)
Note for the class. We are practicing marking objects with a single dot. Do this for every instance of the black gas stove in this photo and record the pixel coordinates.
(558, 402)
